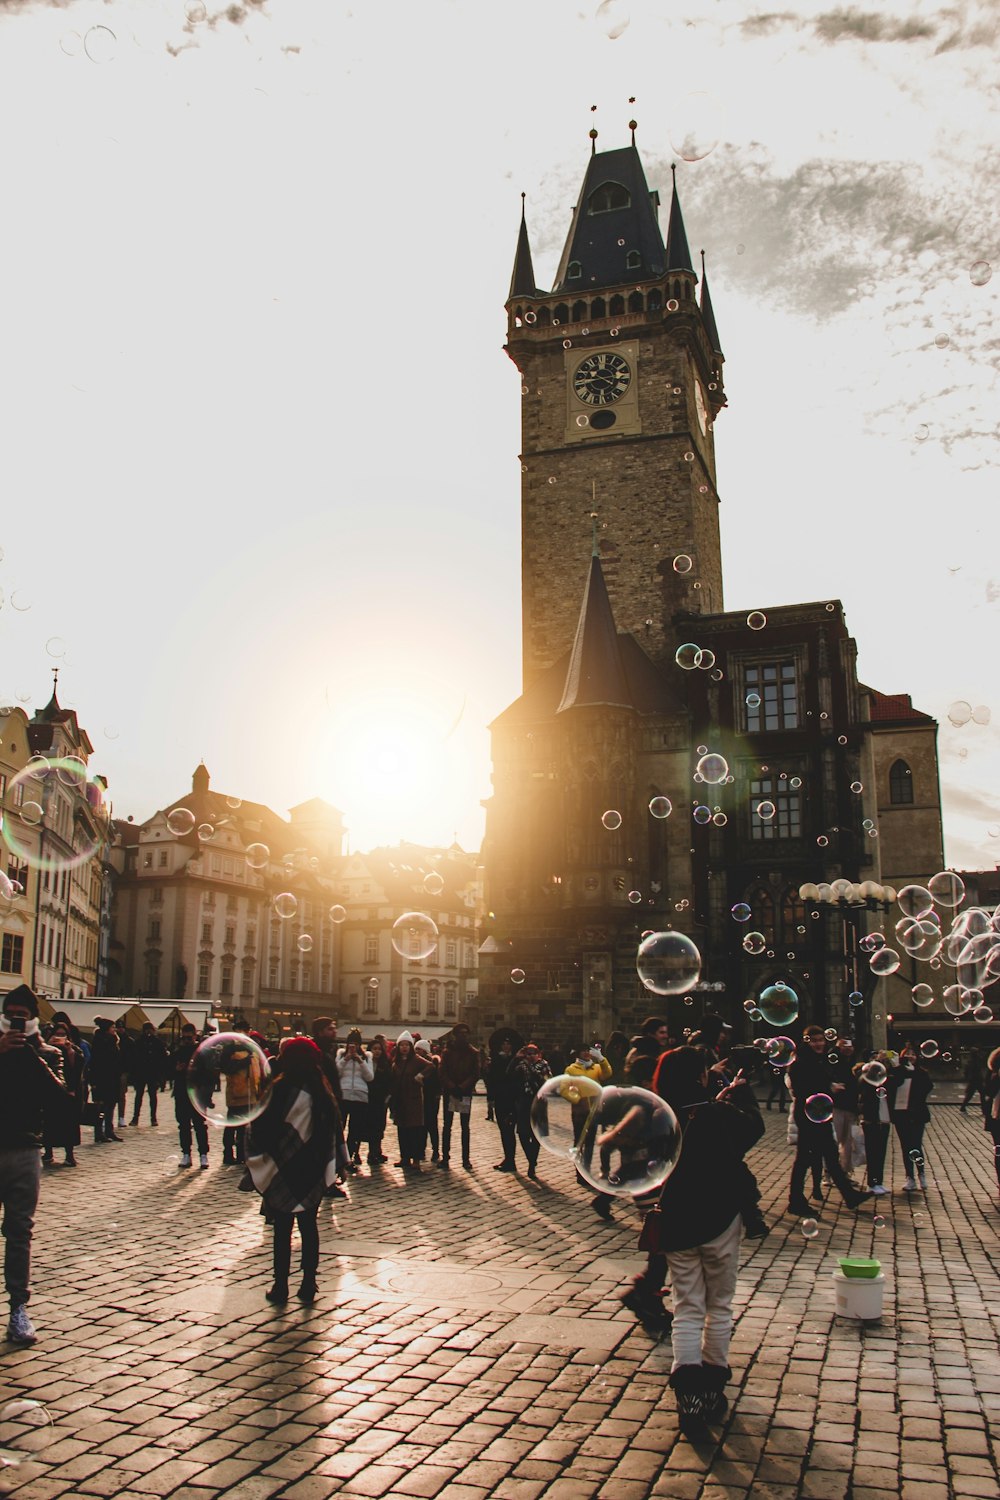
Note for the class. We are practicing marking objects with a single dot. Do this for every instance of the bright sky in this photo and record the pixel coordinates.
(259, 454)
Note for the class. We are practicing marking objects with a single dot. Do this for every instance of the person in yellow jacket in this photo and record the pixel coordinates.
(589, 1062)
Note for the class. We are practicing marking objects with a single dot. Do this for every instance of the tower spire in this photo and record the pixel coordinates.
(678, 253)
(707, 312)
(522, 281)
(596, 674)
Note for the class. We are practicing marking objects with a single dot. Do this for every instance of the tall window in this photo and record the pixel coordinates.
(793, 917)
(206, 932)
(152, 979)
(900, 783)
(204, 982)
(450, 999)
(227, 981)
(12, 953)
(432, 1000)
(371, 1001)
(786, 822)
(770, 695)
(246, 984)
(761, 903)
(449, 953)
(414, 1000)
(371, 948)
(154, 929)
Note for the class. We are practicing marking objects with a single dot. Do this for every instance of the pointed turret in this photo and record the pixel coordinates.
(614, 238)
(707, 313)
(596, 674)
(522, 282)
(678, 254)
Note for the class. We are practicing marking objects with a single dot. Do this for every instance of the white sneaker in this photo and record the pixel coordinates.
(186, 1159)
(909, 1186)
(203, 1162)
(879, 1190)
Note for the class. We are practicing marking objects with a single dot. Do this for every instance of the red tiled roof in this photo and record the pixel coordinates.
(894, 706)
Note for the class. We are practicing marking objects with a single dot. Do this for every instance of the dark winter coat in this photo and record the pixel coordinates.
(708, 1187)
(30, 1084)
(406, 1095)
(290, 1151)
(62, 1115)
(916, 1110)
(104, 1070)
(148, 1063)
(810, 1074)
(459, 1070)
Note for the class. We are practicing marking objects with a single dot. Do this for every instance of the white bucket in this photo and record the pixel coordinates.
(859, 1296)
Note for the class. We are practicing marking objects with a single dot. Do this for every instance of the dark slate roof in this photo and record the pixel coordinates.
(41, 733)
(678, 256)
(596, 674)
(522, 282)
(894, 707)
(648, 689)
(593, 237)
(707, 312)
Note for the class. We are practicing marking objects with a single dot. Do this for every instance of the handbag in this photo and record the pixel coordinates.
(90, 1114)
(649, 1234)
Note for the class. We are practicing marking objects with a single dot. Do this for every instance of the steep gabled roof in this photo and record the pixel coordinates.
(895, 708)
(602, 237)
(522, 281)
(678, 256)
(596, 673)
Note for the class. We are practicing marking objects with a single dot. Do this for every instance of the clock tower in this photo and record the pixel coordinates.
(621, 383)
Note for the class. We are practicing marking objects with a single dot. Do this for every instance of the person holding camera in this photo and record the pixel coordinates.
(30, 1083)
(355, 1070)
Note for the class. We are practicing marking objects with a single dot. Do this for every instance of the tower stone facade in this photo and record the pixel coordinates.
(623, 693)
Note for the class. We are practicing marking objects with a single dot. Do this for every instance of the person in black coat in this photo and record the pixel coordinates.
(700, 1226)
(149, 1070)
(500, 1088)
(104, 1078)
(62, 1116)
(811, 1074)
(909, 1087)
(991, 1114)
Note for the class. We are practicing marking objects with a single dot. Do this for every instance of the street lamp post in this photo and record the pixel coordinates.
(850, 900)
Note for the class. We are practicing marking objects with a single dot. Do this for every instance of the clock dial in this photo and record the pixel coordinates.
(601, 379)
(700, 407)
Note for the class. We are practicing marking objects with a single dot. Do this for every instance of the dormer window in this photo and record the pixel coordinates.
(609, 196)
(574, 271)
(633, 260)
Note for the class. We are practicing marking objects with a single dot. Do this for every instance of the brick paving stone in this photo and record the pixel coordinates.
(188, 1384)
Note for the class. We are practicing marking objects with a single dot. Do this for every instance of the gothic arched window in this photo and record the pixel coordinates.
(608, 196)
(900, 783)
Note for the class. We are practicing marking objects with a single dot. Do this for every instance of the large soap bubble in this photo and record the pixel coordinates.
(779, 1004)
(228, 1079)
(414, 935)
(25, 1431)
(631, 1143)
(561, 1112)
(668, 963)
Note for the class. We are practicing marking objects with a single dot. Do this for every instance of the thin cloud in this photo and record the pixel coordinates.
(865, 26)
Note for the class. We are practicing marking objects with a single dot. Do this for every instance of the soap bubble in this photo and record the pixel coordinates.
(686, 656)
(100, 44)
(960, 713)
(414, 935)
(947, 888)
(682, 563)
(884, 961)
(304, 942)
(702, 815)
(780, 1051)
(855, 998)
(631, 1143)
(981, 715)
(809, 1228)
(874, 1073)
(668, 963)
(929, 1048)
(338, 913)
(562, 1111)
(765, 811)
(661, 807)
(922, 432)
(635, 897)
(705, 658)
(754, 943)
(753, 700)
(613, 18)
(696, 125)
(819, 1109)
(196, 11)
(257, 856)
(285, 905)
(25, 1431)
(956, 1000)
(741, 912)
(878, 1222)
(857, 788)
(779, 1004)
(180, 821)
(611, 820)
(373, 982)
(982, 1014)
(433, 883)
(713, 768)
(756, 619)
(31, 784)
(517, 976)
(980, 272)
(228, 1079)
(923, 995)
(206, 832)
(915, 901)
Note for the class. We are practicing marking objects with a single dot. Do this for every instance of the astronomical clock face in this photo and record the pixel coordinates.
(602, 379)
(700, 407)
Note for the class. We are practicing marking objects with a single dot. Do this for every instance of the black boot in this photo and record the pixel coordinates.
(282, 1264)
(648, 1307)
(688, 1382)
(716, 1378)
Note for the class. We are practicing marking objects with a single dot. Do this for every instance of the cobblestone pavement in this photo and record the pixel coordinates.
(468, 1341)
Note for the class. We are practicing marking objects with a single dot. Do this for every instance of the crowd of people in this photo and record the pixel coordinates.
(326, 1112)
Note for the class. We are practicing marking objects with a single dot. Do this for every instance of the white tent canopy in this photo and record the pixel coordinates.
(83, 1012)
